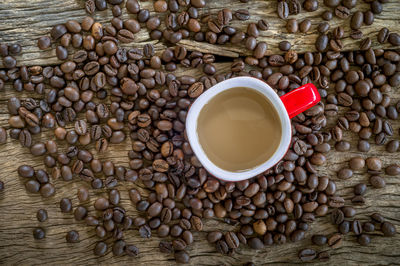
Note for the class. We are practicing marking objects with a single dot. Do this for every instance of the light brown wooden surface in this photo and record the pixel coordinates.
(26, 21)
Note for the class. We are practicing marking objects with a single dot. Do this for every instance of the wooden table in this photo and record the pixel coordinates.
(25, 21)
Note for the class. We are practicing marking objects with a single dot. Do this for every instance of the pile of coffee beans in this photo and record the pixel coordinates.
(103, 94)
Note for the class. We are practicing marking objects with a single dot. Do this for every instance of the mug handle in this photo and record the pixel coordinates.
(300, 99)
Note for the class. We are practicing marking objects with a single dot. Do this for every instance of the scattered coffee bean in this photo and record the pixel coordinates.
(368, 227)
(131, 250)
(377, 218)
(65, 205)
(181, 257)
(388, 229)
(377, 181)
(360, 189)
(72, 236)
(307, 254)
(357, 163)
(100, 249)
(335, 240)
(374, 164)
(393, 170)
(319, 240)
(39, 233)
(364, 240)
(270, 208)
(41, 215)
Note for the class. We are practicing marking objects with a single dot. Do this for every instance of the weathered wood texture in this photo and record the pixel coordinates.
(26, 22)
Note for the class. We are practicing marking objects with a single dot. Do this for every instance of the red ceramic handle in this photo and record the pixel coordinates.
(300, 99)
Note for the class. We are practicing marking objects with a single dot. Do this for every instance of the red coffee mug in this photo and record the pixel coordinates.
(287, 106)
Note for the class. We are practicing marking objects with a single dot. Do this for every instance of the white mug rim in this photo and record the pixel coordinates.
(205, 97)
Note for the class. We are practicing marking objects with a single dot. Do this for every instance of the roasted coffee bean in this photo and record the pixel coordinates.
(39, 233)
(345, 173)
(348, 211)
(360, 189)
(166, 247)
(3, 135)
(58, 31)
(195, 90)
(321, 43)
(307, 254)
(262, 24)
(83, 194)
(342, 146)
(292, 26)
(242, 14)
(131, 250)
(72, 237)
(392, 170)
(388, 229)
(357, 20)
(297, 235)
(119, 247)
(336, 202)
(337, 216)
(368, 227)
(32, 186)
(365, 43)
(232, 240)
(377, 181)
(255, 243)
(260, 50)
(383, 35)
(41, 215)
(310, 5)
(196, 223)
(357, 163)
(47, 190)
(358, 200)
(101, 204)
(364, 240)
(65, 205)
(132, 6)
(344, 227)
(213, 237)
(305, 26)
(356, 227)
(44, 42)
(368, 18)
(283, 9)
(181, 256)
(377, 218)
(145, 231)
(100, 249)
(342, 12)
(319, 240)
(335, 240)
(363, 146)
(374, 164)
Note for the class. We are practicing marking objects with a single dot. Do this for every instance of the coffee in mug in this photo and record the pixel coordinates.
(239, 129)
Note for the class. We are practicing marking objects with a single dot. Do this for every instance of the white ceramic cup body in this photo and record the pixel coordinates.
(196, 107)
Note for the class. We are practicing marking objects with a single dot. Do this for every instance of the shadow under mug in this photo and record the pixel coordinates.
(287, 106)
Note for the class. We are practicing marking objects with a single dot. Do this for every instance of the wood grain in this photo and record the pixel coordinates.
(26, 21)
(24, 24)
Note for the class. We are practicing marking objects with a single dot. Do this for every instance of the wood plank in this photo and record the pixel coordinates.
(19, 213)
(25, 23)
